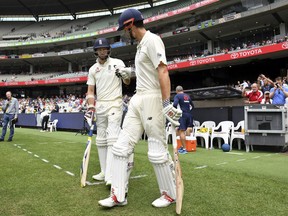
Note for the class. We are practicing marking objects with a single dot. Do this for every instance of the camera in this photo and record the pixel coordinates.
(277, 85)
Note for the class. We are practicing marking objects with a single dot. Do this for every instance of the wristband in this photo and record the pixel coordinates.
(89, 96)
(166, 103)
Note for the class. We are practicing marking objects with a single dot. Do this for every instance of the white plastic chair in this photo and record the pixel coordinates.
(196, 123)
(224, 133)
(53, 125)
(168, 131)
(238, 134)
(204, 135)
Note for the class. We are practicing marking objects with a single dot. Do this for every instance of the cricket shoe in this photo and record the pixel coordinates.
(109, 183)
(163, 201)
(99, 177)
(111, 202)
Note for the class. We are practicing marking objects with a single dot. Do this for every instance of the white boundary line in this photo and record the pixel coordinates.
(70, 173)
(240, 160)
(223, 163)
(57, 167)
(201, 167)
(46, 161)
(235, 153)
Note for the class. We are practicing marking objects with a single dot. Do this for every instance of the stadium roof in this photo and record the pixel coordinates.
(38, 8)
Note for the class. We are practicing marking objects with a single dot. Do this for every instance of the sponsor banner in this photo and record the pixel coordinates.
(231, 56)
(206, 24)
(3, 44)
(230, 18)
(77, 51)
(187, 64)
(66, 52)
(118, 44)
(45, 82)
(25, 56)
(13, 56)
(35, 55)
(108, 30)
(181, 30)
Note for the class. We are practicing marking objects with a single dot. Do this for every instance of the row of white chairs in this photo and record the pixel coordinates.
(225, 131)
(208, 131)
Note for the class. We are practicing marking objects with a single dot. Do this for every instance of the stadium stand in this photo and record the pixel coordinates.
(205, 32)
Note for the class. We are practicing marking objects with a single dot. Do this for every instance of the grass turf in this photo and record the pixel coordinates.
(216, 183)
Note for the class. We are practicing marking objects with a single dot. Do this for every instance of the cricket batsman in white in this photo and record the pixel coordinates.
(106, 74)
(146, 112)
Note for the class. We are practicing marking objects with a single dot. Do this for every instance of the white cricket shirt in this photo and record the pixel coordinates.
(108, 85)
(150, 53)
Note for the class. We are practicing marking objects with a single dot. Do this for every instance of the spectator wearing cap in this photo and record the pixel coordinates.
(266, 99)
(254, 96)
(279, 93)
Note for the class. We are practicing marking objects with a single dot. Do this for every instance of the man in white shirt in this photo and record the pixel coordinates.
(10, 108)
(44, 120)
(108, 83)
(146, 112)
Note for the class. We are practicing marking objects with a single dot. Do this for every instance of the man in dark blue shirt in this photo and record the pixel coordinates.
(184, 102)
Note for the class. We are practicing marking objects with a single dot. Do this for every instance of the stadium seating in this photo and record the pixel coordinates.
(203, 132)
(53, 125)
(169, 133)
(225, 127)
(237, 133)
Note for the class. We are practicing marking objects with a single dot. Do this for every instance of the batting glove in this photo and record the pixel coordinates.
(90, 116)
(171, 113)
(124, 72)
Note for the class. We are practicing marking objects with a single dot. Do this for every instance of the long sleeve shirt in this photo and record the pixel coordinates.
(11, 106)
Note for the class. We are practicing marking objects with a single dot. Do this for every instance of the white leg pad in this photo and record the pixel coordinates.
(102, 152)
(108, 172)
(130, 166)
(119, 173)
(122, 166)
(113, 131)
(163, 166)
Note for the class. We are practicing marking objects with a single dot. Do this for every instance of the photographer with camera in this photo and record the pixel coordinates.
(279, 93)
(10, 109)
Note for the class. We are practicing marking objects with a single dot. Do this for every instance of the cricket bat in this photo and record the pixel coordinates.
(85, 160)
(178, 173)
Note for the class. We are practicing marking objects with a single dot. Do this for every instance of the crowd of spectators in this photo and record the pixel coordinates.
(40, 76)
(61, 104)
(64, 103)
(62, 33)
(264, 90)
(232, 48)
